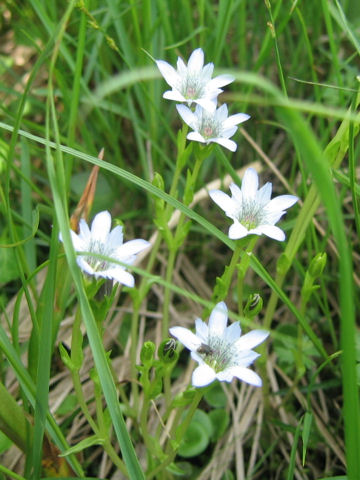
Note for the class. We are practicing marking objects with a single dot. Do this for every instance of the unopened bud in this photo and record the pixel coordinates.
(253, 305)
(317, 265)
(147, 353)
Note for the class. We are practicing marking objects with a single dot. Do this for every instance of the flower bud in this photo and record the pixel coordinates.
(167, 351)
(147, 353)
(317, 265)
(253, 305)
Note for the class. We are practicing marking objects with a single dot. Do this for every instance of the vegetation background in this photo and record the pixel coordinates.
(81, 74)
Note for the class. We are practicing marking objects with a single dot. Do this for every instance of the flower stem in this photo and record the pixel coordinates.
(242, 269)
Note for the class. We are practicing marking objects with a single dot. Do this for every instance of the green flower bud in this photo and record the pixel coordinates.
(317, 265)
(147, 353)
(253, 306)
(167, 351)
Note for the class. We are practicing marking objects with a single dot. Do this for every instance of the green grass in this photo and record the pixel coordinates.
(76, 77)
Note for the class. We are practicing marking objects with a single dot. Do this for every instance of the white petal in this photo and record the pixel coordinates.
(223, 200)
(235, 119)
(85, 266)
(247, 375)
(181, 67)
(187, 115)
(225, 375)
(224, 142)
(186, 337)
(84, 230)
(233, 332)
(131, 248)
(208, 104)
(250, 184)
(273, 232)
(174, 95)
(251, 340)
(206, 73)
(237, 231)
(218, 320)
(264, 194)
(220, 81)
(236, 193)
(196, 61)
(228, 132)
(221, 113)
(203, 375)
(120, 275)
(116, 237)
(202, 330)
(246, 358)
(79, 244)
(169, 73)
(100, 227)
(282, 202)
(196, 137)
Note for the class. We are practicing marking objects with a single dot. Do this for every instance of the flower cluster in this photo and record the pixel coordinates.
(193, 84)
(221, 351)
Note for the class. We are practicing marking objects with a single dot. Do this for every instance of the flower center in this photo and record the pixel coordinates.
(98, 264)
(217, 353)
(192, 89)
(209, 127)
(250, 215)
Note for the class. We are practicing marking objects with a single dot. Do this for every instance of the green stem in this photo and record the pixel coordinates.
(133, 350)
(178, 433)
(242, 269)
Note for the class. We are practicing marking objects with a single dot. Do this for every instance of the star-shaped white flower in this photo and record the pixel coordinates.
(193, 83)
(100, 240)
(221, 352)
(251, 209)
(213, 126)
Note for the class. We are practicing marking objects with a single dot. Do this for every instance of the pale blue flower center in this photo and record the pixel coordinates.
(192, 89)
(218, 354)
(99, 264)
(209, 127)
(250, 214)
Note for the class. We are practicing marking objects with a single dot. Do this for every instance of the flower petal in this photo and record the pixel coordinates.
(264, 194)
(132, 247)
(186, 337)
(208, 104)
(235, 119)
(218, 320)
(100, 227)
(251, 340)
(120, 275)
(79, 244)
(280, 203)
(246, 375)
(188, 116)
(174, 95)
(202, 330)
(223, 201)
(225, 375)
(196, 137)
(196, 61)
(84, 230)
(220, 81)
(249, 184)
(232, 332)
(237, 231)
(203, 375)
(273, 232)
(225, 142)
(116, 237)
(169, 73)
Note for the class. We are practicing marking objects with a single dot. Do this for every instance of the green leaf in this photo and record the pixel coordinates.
(86, 443)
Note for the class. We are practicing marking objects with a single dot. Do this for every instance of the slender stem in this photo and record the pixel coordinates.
(242, 269)
(133, 351)
(167, 292)
(178, 433)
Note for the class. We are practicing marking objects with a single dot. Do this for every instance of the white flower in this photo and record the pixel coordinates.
(101, 241)
(251, 209)
(193, 83)
(213, 126)
(221, 352)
